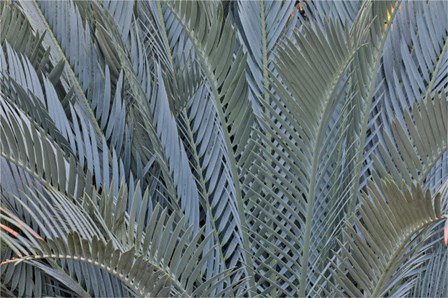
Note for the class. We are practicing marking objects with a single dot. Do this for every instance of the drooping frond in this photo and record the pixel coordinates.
(165, 259)
(35, 153)
(140, 276)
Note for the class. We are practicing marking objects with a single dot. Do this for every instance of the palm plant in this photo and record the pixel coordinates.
(216, 148)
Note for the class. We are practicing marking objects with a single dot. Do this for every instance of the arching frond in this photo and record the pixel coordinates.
(373, 260)
(263, 25)
(298, 145)
(416, 141)
(219, 148)
(214, 44)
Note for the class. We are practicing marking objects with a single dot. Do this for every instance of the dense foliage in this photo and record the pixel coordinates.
(216, 148)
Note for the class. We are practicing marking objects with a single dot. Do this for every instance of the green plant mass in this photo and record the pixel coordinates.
(223, 148)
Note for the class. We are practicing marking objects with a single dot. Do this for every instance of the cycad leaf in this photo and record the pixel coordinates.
(29, 147)
(152, 115)
(208, 160)
(214, 44)
(21, 87)
(415, 141)
(415, 64)
(17, 31)
(75, 248)
(122, 11)
(344, 12)
(430, 283)
(375, 256)
(55, 216)
(364, 85)
(145, 274)
(263, 24)
(87, 81)
(71, 43)
(298, 131)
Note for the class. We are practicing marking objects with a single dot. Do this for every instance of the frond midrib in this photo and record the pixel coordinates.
(108, 269)
(367, 105)
(316, 158)
(202, 184)
(70, 71)
(437, 67)
(395, 257)
(233, 164)
(147, 117)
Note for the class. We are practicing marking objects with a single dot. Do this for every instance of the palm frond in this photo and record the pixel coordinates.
(52, 215)
(154, 114)
(205, 147)
(263, 24)
(344, 12)
(413, 69)
(298, 144)
(122, 11)
(91, 101)
(32, 147)
(415, 142)
(216, 148)
(415, 59)
(16, 31)
(430, 282)
(166, 39)
(71, 43)
(21, 87)
(162, 265)
(225, 75)
(143, 280)
(376, 257)
(209, 160)
(364, 84)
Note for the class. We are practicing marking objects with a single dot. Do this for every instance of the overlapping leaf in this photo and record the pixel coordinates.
(376, 255)
(299, 148)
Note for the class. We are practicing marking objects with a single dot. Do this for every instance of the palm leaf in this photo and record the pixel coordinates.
(364, 84)
(153, 114)
(343, 11)
(205, 147)
(414, 60)
(209, 160)
(110, 118)
(226, 80)
(419, 140)
(30, 150)
(16, 31)
(378, 255)
(75, 49)
(263, 25)
(430, 282)
(151, 148)
(143, 280)
(298, 144)
(161, 265)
